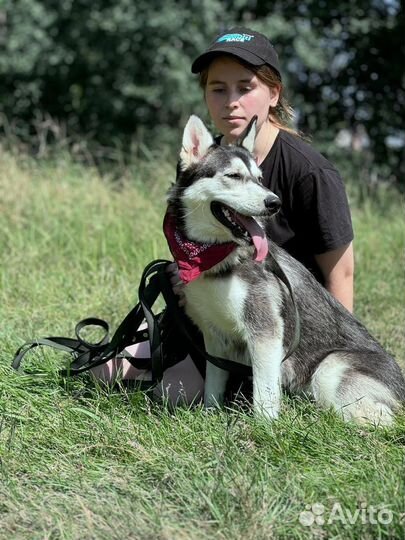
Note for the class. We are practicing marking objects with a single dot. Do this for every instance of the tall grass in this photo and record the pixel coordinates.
(79, 460)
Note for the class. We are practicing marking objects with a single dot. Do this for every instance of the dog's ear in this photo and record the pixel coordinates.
(247, 138)
(196, 141)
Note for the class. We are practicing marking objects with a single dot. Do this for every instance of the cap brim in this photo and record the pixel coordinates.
(203, 60)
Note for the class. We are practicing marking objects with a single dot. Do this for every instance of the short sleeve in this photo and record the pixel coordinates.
(322, 211)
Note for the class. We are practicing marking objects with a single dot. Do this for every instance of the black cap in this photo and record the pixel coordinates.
(248, 45)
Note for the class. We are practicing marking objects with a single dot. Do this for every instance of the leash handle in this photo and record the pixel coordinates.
(75, 347)
(92, 321)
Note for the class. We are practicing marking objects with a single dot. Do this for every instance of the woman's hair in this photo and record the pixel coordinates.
(282, 114)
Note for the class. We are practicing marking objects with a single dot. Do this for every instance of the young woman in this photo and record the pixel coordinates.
(240, 76)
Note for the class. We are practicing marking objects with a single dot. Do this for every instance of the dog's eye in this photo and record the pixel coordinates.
(234, 176)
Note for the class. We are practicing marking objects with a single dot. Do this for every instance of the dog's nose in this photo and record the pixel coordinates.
(272, 203)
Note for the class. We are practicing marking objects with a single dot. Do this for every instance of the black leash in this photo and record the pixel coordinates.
(86, 355)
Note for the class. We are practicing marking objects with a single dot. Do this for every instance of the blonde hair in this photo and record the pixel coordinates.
(282, 114)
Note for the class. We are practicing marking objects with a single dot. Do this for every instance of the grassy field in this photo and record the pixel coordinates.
(82, 461)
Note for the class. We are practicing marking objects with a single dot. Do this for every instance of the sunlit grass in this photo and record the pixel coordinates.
(82, 461)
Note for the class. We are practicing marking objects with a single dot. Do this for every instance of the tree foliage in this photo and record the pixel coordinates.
(345, 62)
(117, 69)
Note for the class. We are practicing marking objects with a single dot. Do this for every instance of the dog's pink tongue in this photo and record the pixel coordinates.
(258, 236)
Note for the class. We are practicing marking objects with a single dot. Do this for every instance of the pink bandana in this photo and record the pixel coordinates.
(191, 257)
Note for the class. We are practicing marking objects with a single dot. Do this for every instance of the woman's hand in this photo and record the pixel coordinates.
(177, 284)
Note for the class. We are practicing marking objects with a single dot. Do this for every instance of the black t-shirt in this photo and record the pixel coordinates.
(314, 217)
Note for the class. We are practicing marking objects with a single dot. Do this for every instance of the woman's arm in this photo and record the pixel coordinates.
(337, 268)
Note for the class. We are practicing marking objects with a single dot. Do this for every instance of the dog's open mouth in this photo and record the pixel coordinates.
(244, 227)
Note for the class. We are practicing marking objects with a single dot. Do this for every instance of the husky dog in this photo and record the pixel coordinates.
(245, 311)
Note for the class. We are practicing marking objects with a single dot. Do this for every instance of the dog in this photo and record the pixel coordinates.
(217, 209)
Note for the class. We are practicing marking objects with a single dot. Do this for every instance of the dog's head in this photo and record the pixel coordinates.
(218, 192)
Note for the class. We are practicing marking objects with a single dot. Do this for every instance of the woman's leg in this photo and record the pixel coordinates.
(181, 383)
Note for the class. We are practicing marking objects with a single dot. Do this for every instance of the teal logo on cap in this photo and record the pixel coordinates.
(235, 37)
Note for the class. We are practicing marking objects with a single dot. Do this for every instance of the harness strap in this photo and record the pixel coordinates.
(229, 365)
(279, 272)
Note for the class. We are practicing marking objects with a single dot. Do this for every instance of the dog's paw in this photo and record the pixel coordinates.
(268, 411)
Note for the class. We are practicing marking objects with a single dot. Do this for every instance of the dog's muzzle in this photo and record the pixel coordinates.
(272, 203)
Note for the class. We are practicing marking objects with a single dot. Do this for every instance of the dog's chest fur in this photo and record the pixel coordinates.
(216, 305)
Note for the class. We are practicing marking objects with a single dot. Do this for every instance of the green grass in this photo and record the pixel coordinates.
(79, 460)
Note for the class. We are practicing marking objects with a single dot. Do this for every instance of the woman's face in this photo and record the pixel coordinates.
(234, 95)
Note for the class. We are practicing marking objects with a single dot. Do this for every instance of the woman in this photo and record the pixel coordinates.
(240, 76)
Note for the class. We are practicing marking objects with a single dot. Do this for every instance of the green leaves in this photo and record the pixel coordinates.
(122, 69)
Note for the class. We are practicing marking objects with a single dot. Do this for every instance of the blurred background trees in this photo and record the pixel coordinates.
(115, 71)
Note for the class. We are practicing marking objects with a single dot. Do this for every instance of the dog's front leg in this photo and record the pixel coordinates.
(215, 385)
(266, 364)
(215, 377)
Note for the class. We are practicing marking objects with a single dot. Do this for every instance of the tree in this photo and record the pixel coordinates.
(116, 69)
(344, 63)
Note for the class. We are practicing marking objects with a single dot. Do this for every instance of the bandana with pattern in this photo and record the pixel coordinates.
(192, 257)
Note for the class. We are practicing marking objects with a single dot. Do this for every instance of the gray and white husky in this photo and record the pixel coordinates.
(244, 310)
